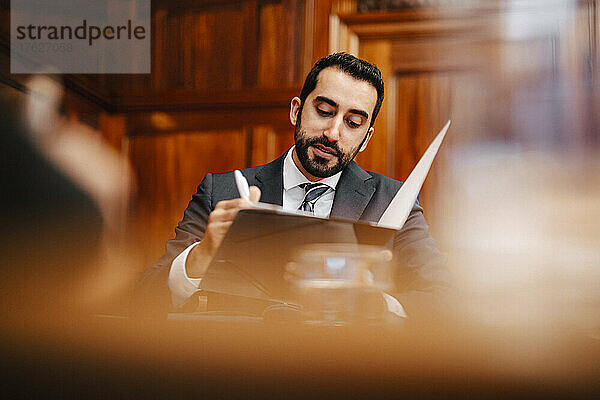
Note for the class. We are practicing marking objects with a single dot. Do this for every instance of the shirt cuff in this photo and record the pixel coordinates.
(181, 285)
(394, 306)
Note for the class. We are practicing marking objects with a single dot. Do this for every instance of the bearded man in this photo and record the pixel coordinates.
(333, 120)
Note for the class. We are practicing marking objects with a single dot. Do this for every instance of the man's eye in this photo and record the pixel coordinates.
(324, 113)
(352, 124)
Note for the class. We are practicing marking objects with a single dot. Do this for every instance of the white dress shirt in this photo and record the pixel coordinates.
(293, 194)
(183, 287)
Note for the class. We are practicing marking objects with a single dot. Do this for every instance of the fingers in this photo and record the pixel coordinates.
(222, 214)
(240, 203)
(254, 194)
(233, 204)
(221, 218)
(221, 227)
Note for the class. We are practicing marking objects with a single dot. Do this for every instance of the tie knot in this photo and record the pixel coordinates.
(312, 193)
(311, 186)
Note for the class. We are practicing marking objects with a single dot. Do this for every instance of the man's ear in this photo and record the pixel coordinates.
(366, 142)
(294, 108)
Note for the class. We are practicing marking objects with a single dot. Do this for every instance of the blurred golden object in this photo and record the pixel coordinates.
(162, 121)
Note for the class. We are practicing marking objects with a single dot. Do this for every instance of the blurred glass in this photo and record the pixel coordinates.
(340, 283)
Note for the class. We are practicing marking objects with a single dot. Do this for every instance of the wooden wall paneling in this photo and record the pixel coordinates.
(439, 105)
(320, 36)
(423, 23)
(172, 47)
(284, 139)
(263, 145)
(341, 38)
(195, 33)
(424, 105)
(307, 37)
(113, 129)
(210, 46)
(228, 51)
(299, 45)
(145, 123)
(375, 157)
(169, 168)
(159, 35)
(344, 7)
(199, 49)
(280, 44)
(251, 17)
(214, 100)
(269, 143)
(406, 149)
(270, 20)
(442, 54)
(217, 54)
(152, 112)
(196, 6)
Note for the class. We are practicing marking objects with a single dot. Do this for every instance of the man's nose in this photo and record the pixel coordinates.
(333, 130)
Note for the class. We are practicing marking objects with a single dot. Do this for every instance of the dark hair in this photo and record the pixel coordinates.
(353, 66)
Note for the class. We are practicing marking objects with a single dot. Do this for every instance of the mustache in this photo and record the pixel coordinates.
(325, 142)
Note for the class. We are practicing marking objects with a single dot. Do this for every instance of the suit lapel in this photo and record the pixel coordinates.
(270, 181)
(353, 193)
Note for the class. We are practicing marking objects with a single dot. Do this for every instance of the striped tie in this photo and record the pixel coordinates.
(312, 193)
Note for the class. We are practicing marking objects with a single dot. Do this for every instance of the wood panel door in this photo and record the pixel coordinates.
(501, 77)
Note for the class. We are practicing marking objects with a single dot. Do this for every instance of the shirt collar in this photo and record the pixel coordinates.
(293, 177)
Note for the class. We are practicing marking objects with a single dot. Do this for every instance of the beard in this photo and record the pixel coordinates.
(319, 166)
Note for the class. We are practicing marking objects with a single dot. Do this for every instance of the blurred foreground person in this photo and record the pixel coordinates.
(63, 187)
(62, 191)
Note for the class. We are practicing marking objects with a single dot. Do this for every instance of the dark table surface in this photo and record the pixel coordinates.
(215, 355)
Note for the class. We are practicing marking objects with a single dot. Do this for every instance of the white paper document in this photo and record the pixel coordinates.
(397, 212)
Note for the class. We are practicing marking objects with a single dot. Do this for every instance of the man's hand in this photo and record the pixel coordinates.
(219, 222)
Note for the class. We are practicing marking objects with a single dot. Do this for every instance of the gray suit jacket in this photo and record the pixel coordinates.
(421, 276)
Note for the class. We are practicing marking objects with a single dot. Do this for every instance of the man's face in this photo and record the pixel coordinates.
(334, 123)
